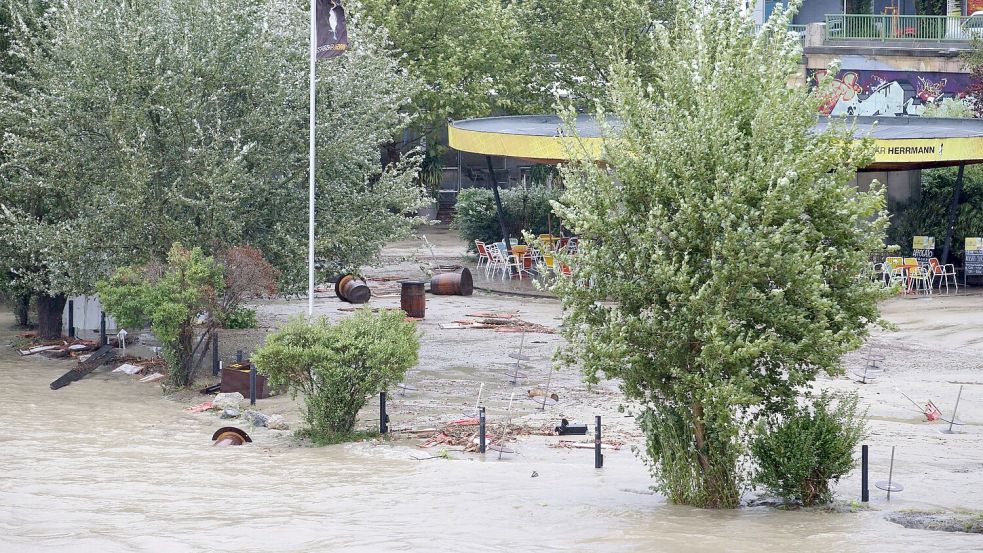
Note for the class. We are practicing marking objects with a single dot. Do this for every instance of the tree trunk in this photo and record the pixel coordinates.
(49, 316)
(22, 309)
(184, 373)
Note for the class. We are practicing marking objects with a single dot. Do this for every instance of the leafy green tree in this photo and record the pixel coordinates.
(465, 52)
(720, 244)
(337, 366)
(170, 298)
(572, 44)
(136, 125)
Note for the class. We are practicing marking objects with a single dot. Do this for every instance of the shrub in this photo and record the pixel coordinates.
(337, 366)
(801, 453)
(526, 208)
(928, 214)
(239, 317)
(170, 297)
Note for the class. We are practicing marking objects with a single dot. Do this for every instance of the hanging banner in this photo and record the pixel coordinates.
(332, 30)
(974, 256)
(922, 248)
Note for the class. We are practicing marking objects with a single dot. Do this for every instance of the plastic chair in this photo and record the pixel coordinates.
(943, 272)
(919, 280)
(482, 252)
(499, 255)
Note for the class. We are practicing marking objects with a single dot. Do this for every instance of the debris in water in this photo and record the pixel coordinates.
(128, 368)
(230, 435)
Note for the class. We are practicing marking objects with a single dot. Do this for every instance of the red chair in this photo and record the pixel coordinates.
(482, 253)
(943, 272)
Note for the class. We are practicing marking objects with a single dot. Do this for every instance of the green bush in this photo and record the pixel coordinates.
(171, 298)
(801, 453)
(239, 317)
(928, 215)
(337, 366)
(526, 208)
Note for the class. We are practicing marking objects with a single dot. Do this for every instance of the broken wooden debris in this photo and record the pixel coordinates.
(499, 322)
(103, 355)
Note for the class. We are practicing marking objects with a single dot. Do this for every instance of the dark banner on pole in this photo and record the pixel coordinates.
(332, 31)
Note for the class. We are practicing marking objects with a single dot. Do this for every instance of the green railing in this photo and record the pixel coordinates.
(902, 27)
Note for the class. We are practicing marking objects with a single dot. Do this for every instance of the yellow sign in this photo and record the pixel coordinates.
(923, 243)
(926, 150)
(974, 244)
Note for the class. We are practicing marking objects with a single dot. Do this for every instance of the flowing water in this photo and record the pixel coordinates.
(107, 464)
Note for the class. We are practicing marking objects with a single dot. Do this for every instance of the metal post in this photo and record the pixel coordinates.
(102, 329)
(953, 421)
(252, 384)
(239, 356)
(864, 491)
(481, 430)
(383, 417)
(598, 457)
(953, 213)
(310, 169)
(890, 475)
(214, 353)
(498, 204)
(71, 319)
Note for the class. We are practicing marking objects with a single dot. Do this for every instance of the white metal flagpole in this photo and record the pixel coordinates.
(310, 229)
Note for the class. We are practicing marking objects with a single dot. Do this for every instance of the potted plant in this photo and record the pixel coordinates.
(431, 173)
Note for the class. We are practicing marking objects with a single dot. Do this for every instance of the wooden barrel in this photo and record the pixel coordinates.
(413, 298)
(452, 284)
(352, 290)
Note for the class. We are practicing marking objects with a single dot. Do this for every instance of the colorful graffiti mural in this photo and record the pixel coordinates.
(861, 92)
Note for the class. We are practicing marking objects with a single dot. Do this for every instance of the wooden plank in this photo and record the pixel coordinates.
(103, 355)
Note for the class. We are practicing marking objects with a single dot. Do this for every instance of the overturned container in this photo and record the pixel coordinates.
(458, 283)
(352, 290)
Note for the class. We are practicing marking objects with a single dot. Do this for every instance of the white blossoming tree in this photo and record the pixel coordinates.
(721, 245)
(136, 125)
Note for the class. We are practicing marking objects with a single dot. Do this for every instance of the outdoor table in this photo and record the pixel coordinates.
(522, 253)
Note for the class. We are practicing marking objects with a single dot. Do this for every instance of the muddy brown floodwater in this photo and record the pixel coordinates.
(107, 464)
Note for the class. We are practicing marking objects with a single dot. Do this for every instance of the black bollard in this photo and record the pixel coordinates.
(481, 430)
(102, 329)
(252, 384)
(214, 353)
(239, 356)
(864, 492)
(71, 319)
(383, 417)
(598, 457)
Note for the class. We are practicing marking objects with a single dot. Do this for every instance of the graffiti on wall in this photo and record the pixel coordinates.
(862, 92)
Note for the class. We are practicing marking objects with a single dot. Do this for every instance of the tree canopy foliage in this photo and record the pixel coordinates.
(136, 125)
(720, 245)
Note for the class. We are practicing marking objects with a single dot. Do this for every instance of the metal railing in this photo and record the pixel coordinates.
(917, 28)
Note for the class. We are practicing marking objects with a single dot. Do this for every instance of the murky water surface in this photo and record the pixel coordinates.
(106, 464)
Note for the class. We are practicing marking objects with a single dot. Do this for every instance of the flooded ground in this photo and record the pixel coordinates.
(109, 464)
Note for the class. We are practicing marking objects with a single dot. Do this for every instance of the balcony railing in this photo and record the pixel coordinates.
(916, 28)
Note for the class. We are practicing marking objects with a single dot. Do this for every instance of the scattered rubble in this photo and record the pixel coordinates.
(224, 401)
(277, 422)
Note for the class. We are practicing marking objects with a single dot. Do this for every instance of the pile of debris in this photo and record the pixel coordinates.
(57, 349)
(499, 322)
(463, 433)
